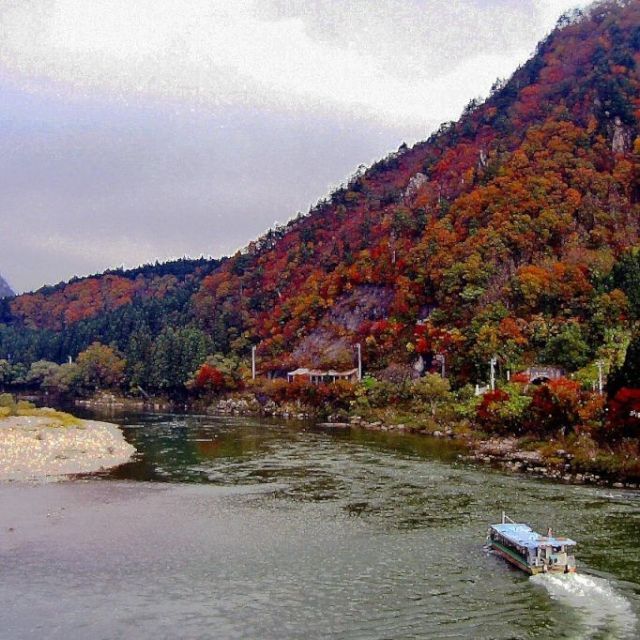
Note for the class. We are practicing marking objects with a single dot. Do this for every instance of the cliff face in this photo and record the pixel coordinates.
(509, 233)
(5, 289)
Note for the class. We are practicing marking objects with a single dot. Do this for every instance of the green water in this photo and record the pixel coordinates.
(231, 528)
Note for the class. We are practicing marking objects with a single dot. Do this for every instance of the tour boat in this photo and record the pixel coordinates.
(534, 553)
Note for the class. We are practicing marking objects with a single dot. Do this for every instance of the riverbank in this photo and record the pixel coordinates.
(575, 459)
(49, 444)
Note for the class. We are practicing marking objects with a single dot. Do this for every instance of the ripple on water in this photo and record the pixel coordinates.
(278, 533)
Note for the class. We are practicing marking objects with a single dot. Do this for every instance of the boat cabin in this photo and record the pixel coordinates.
(531, 551)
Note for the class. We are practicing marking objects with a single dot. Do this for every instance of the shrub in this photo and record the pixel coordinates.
(7, 400)
(624, 414)
(431, 393)
(24, 407)
(501, 411)
(8, 404)
(554, 407)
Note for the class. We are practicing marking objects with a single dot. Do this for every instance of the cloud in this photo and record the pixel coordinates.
(157, 128)
(550, 10)
(385, 60)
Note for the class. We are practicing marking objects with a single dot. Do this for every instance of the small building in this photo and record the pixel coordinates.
(320, 376)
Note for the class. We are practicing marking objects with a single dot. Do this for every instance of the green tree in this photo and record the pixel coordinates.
(629, 374)
(139, 356)
(567, 348)
(626, 277)
(18, 373)
(41, 372)
(5, 373)
(431, 393)
(65, 379)
(177, 354)
(100, 366)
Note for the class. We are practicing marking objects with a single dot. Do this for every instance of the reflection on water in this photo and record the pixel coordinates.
(244, 529)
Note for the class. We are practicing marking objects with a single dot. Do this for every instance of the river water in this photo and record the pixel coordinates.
(232, 528)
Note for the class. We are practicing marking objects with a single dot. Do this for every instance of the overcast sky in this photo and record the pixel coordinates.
(136, 130)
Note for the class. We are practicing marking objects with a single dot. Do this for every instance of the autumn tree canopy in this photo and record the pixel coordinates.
(512, 233)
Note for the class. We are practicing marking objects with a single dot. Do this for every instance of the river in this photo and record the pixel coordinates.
(233, 528)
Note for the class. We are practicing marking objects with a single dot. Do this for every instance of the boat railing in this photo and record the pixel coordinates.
(506, 518)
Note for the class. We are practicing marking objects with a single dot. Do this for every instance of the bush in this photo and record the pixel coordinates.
(431, 393)
(335, 396)
(502, 411)
(555, 406)
(7, 401)
(624, 414)
(24, 407)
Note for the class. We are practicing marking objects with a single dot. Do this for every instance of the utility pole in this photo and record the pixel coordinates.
(492, 364)
(359, 348)
(253, 362)
(600, 380)
(440, 357)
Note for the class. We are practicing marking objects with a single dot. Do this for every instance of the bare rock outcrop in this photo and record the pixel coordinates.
(415, 184)
(620, 139)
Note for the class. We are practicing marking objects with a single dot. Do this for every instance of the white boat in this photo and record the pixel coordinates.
(532, 552)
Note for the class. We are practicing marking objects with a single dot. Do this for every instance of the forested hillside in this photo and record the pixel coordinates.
(145, 313)
(513, 232)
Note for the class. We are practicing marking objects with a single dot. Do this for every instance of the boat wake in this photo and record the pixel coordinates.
(604, 612)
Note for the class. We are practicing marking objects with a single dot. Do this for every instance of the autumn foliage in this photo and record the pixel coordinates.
(509, 234)
(209, 377)
(624, 413)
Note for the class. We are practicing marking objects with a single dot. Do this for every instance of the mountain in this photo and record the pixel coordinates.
(513, 233)
(5, 289)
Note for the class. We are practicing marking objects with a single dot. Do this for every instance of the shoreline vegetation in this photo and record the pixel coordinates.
(573, 455)
(46, 444)
(506, 242)
(578, 425)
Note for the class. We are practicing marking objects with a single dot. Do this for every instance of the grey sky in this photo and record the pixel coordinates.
(135, 131)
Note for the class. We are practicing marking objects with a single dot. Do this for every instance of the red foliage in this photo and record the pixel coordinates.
(555, 406)
(85, 299)
(209, 377)
(523, 205)
(624, 412)
(488, 399)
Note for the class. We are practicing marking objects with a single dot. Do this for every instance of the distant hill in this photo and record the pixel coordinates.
(513, 233)
(5, 289)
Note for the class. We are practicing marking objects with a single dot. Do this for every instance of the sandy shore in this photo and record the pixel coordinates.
(37, 448)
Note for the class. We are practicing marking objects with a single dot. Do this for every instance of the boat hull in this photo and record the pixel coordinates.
(517, 561)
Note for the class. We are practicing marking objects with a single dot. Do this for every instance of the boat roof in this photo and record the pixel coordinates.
(525, 536)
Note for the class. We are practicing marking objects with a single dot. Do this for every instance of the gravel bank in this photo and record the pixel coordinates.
(37, 448)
